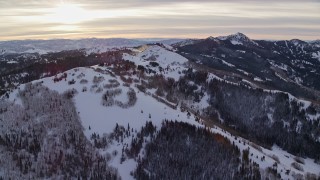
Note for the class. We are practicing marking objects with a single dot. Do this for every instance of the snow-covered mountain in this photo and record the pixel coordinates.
(112, 114)
(89, 86)
(279, 64)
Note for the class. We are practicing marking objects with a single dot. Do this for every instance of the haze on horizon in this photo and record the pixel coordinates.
(70, 19)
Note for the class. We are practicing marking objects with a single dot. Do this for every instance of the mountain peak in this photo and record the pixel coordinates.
(237, 35)
(238, 39)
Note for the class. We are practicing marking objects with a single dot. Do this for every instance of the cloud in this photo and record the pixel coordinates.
(170, 18)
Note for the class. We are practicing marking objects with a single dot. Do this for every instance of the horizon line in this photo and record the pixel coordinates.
(150, 38)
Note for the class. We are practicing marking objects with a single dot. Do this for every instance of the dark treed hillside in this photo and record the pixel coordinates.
(182, 151)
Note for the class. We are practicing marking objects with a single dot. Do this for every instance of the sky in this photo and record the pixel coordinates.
(74, 19)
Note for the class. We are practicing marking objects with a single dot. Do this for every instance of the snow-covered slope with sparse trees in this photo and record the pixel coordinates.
(146, 112)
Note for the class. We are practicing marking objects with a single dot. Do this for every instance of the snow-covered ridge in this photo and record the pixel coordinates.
(91, 83)
(159, 59)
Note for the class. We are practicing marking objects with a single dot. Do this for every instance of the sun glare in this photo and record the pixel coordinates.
(68, 14)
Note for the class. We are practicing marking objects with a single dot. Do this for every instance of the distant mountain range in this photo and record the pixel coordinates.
(90, 44)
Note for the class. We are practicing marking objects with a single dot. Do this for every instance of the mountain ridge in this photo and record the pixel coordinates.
(292, 57)
(122, 96)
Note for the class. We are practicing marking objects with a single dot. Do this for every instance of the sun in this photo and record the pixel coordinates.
(68, 14)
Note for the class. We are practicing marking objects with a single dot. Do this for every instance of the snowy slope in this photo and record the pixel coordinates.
(102, 119)
(159, 59)
(91, 83)
(172, 63)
